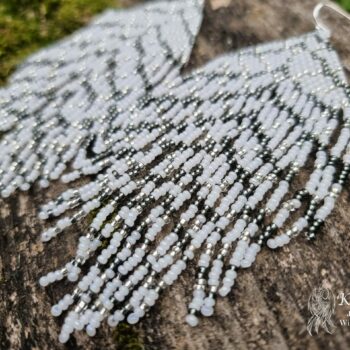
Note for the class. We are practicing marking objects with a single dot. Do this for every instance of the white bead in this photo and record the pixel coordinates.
(271, 243)
(207, 310)
(56, 310)
(91, 331)
(192, 320)
(43, 281)
(63, 337)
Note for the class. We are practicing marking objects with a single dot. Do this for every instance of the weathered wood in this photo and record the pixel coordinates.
(268, 306)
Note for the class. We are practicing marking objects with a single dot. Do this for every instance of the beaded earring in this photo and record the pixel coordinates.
(206, 172)
(62, 101)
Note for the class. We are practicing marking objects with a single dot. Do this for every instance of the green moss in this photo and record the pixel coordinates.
(91, 216)
(345, 4)
(127, 338)
(27, 25)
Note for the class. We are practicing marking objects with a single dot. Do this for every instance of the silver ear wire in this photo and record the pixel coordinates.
(316, 13)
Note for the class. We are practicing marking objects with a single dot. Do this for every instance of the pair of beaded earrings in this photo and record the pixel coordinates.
(196, 169)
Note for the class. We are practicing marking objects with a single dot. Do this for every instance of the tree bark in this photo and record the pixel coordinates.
(267, 308)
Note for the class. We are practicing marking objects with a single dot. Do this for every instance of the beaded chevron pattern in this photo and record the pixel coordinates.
(65, 97)
(203, 169)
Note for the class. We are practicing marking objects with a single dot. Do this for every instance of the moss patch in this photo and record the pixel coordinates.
(127, 338)
(27, 25)
(345, 4)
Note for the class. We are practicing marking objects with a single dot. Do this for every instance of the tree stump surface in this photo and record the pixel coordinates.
(267, 308)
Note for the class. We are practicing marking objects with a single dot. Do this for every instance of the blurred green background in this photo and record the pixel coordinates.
(26, 25)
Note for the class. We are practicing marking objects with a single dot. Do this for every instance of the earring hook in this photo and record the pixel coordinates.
(316, 13)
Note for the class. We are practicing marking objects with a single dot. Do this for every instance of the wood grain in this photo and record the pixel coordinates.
(268, 307)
